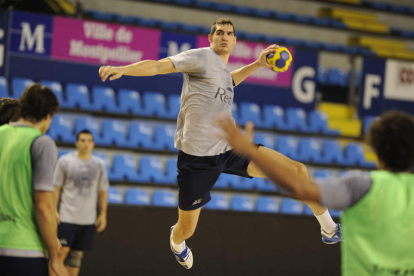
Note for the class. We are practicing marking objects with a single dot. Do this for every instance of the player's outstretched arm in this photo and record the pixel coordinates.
(241, 74)
(143, 68)
(277, 169)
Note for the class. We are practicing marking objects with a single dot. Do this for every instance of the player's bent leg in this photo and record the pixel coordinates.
(186, 225)
(74, 262)
(184, 229)
(329, 229)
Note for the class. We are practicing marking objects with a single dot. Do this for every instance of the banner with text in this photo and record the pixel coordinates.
(386, 84)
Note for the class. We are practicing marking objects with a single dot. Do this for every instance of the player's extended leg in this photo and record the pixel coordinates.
(183, 230)
(330, 229)
(74, 262)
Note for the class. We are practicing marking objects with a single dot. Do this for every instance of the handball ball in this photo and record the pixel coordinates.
(281, 59)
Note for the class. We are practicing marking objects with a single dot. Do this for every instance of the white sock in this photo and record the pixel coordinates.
(178, 247)
(326, 222)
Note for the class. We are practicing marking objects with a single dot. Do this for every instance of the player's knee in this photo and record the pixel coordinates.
(75, 258)
(186, 232)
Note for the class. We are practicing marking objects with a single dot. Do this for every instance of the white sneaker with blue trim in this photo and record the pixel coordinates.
(184, 258)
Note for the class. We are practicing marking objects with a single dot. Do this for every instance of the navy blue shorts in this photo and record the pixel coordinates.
(198, 174)
(77, 237)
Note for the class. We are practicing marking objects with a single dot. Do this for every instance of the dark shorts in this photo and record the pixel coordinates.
(16, 266)
(198, 174)
(77, 237)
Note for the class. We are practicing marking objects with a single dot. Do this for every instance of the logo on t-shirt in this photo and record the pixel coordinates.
(225, 95)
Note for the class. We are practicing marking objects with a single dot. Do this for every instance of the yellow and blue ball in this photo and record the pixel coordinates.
(281, 59)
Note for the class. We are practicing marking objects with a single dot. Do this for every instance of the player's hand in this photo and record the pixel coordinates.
(57, 268)
(262, 58)
(57, 217)
(100, 223)
(241, 143)
(115, 71)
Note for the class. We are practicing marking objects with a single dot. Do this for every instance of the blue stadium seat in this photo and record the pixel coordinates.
(267, 140)
(331, 153)
(61, 129)
(191, 28)
(217, 202)
(244, 10)
(137, 196)
(263, 13)
(129, 101)
(323, 174)
(246, 184)
(307, 211)
(63, 152)
(125, 19)
(115, 132)
(368, 120)
(114, 196)
(287, 145)
(149, 169)
(19, 85)
(164, 137)
(291, 206)
(98, 15)
(105, 159)
(241, 203)
(4, 90)
(184, 2)
(224, 7)
(125, 166)
(283, 16)
(250, 112)
(336, 76)
(78, 95)
(56, 87)
(164, 198)
(264, 185)
(309, 150)
(225, 180)
(141, 135)
(302, 18)
(274, 117)
(150, 22)
(296, 119)
(318, 122)
(266, 204)
(169, 26)
(104, 99)
(321, 21)
(235, 112)
(154, 105)
(174, 104)
(90, 124)
(170, 175)
(355, 155)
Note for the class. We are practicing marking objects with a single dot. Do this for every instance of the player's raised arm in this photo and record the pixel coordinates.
(241, 74)
(143, 68)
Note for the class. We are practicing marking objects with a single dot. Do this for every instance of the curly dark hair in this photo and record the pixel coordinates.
(36, 102)
(9, 110)
(221, 21)
(392, 139)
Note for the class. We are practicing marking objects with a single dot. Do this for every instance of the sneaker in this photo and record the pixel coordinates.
(334, 237)
(184, 258)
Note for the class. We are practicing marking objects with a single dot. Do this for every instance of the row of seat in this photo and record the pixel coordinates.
(337, 77)
(156, 104)
(151, 169)
(196, 29)
(389, 7)
(244, 203)
(160, 137)
(229, 8)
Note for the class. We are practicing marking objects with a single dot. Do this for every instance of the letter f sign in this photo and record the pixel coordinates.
(370, 89)
(31, 38)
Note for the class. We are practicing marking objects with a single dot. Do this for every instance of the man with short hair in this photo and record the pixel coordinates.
(378, 207)
(9, 110)
(28, 230)
(208, 90)
(79, 178)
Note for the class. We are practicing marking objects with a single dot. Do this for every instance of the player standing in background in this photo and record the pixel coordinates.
(79, 178)
(208, 90)
(27, 211)
(378, 207)
(9, 110)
